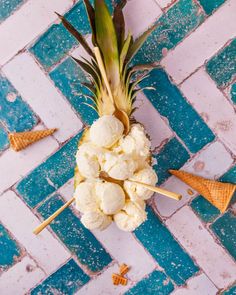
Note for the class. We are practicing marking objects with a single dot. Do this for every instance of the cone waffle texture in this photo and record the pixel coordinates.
(21, 140)
(119, 280)
(217, 193)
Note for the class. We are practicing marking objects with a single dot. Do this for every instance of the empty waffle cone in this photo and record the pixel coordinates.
(217, 193)
(20, 140)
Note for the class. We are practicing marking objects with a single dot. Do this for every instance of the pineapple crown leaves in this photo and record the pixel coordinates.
(117, 51)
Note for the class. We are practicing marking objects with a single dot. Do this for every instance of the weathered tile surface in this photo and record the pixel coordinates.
(169, 102)
(190, 118)
(156, 283)
(210, 6)
(222, 67)
(163, 247)
(50, 175)
(8, 248)
(66, 280)
(14, 112)
(75, 236)
(7, 7)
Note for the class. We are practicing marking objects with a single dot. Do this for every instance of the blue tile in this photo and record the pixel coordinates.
(75, 236)
(8, 7)
(8, 248)
(157, 239)
(68, 77)
(57, 41)
(66, 280)
(50, 175)
(205, 210)
(230, 291)
(225, 229)
(4, 142)
(211, 5)
(172, 156)
(222, 67)
(178, 22)
(233, 93)
(15, 114)
(156, 283)
(183, 119)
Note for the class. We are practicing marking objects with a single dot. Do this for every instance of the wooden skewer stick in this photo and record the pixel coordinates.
(158, 190)
(46, 222)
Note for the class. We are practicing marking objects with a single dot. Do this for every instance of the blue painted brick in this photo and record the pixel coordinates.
(225, 228)
(183, 119)
(14, 113)
(172, 156)
(57, 41)
(157, 239)
(50, 175)
(211, 5)
(233, 93)
(156, 283)
(68, 77)
(179, 21)
(75, 236)
(66, 280)
(3, 139)
(230, 291)
(9, 250)
(222, 67)
(8, 7)
(204, 209)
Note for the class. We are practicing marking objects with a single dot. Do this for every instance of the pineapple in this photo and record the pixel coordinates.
(113, 84)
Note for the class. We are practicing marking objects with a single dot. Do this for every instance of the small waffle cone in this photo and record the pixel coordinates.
(217, 193)
(21, 140)
(119, 280)
(124, 268)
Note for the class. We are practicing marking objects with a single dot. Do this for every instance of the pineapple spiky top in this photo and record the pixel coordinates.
(113, 80)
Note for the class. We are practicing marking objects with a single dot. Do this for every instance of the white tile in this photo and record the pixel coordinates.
(37, 89)
(154, 124)
(126, 249)
(202, 44)
(67, 190)
(21, 222)
(211, 163)
(211, 104)
(14, 165)
(197, 285)
(102, 284)
(139, 17)
(27, 23)
(21, 277)
(199, 243)
(164, 3)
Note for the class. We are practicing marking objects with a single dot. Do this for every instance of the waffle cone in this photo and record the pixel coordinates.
(217, 193)
(21, 140)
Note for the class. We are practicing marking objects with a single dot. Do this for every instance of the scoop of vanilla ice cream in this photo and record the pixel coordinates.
(130, 217)
(106, 131)
(136, 142)
(118, 166)
(85, 197)
(136, 191)
(95, 220)
(87, 159)
(111, 197)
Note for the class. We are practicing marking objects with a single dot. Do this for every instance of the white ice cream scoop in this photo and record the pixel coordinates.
(95, 220)
(111, 197)
(136, 191)
(106, 131)
(85, 197)
(130, 217)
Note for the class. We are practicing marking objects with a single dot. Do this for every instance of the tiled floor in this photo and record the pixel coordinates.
(184, 247)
